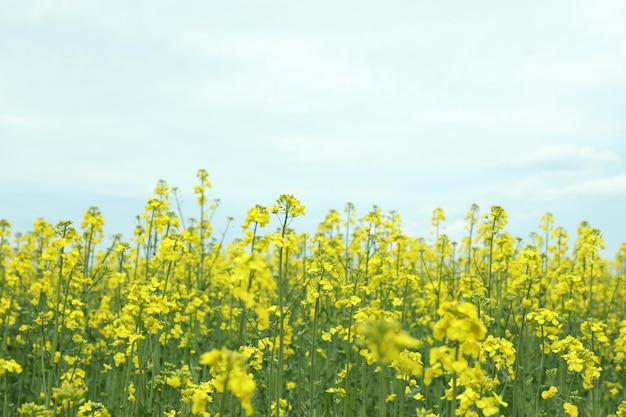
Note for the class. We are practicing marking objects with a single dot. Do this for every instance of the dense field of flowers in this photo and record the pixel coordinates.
(356, 320)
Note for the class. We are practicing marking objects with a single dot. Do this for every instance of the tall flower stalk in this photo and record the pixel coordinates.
(287, 208)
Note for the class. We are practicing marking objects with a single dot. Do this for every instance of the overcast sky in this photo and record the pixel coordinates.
(409, 105)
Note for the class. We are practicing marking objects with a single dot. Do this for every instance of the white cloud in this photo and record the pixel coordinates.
(285, 74)
(527, 118)
(601, 187)
(316, 150)
(14, 121)
(604, 70)
(568, 158)
(407, 105)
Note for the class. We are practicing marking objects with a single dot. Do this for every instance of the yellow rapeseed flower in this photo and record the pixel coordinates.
(173, 381)
(229, 371)
(459, 322)
(289, 205)
(93, 409)
(131, 390)
(570, 409)
(384, 339)
(34, 410)
(550, 392)
(9, 366)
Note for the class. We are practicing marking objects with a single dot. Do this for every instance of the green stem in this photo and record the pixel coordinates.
(382, 393)
(281, 318)
(5, 402)
(148, 244)
(593, 389)
(313, 353)
(454, 381)
(540, 375)
(349, 358)
(519, 350)
(167, 277)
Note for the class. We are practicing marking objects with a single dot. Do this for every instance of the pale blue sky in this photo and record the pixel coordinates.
(409, 105)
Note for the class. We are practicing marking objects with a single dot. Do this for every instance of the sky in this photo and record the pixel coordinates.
(406, 105)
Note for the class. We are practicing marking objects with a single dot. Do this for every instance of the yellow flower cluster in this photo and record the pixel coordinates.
(230, 373)
(384, 340)
(359, 318)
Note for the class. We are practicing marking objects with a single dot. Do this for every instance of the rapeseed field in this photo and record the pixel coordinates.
(358, 319)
